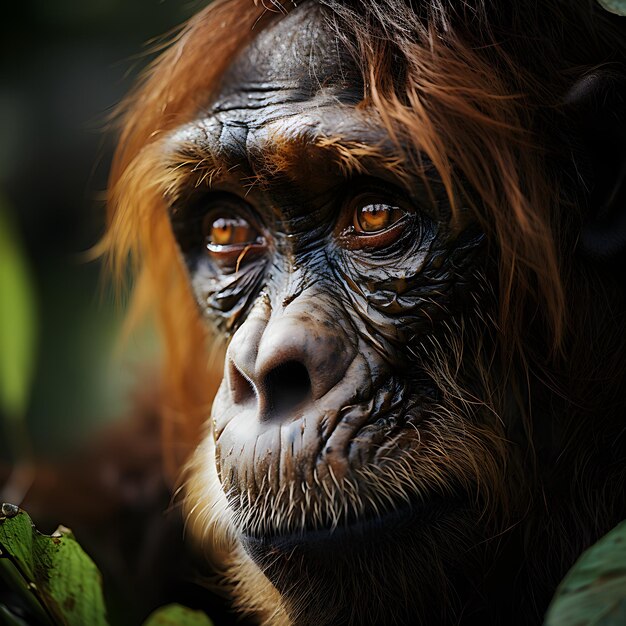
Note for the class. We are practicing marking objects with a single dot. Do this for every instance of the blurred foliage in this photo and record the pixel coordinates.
(65, 66)
(594, 591)
(18, 323)
(177, 615)
(614, 6)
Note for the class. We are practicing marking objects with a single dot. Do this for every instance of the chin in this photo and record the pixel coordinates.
(363, 569)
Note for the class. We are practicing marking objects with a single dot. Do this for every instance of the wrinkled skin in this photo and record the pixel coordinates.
(351, 474)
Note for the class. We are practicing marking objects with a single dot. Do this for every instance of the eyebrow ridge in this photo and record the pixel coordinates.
(281, 153)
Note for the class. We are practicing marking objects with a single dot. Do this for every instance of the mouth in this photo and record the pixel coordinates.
(356, 535)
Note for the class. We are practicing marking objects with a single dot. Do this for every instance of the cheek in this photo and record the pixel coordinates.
(406, 302)
(226, 299)
(222, 409)
(209, 518)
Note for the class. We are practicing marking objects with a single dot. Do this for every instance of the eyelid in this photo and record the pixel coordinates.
(234, 221)
(370, 193)
(230, 258)
(381, 239)
(361, 215)
(189, 217)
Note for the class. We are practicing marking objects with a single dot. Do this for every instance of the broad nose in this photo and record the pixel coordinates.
(289, 362)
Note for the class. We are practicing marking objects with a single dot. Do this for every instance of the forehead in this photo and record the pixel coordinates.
(295, 85)
(297, 58)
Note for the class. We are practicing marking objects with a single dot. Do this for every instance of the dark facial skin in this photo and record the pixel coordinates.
(335, 290)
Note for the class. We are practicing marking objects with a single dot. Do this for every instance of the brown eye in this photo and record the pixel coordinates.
(222, 231)
(376, 217)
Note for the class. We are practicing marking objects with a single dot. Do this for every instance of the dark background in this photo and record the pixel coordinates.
(64, 66)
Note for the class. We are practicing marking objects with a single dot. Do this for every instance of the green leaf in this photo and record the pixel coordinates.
(17, 322)
(22, 594)
(51, 573)
(614, 6)
(177, 615)
(594, 591)
(16, 539)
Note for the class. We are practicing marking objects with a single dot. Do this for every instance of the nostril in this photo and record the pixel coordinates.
(285, 387)
(241, 388)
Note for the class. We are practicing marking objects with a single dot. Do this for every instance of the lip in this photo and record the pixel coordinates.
(359, 534)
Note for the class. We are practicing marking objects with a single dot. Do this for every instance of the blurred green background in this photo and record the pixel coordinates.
(64, 66)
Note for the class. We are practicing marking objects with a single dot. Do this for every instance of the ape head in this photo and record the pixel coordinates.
(400, 228)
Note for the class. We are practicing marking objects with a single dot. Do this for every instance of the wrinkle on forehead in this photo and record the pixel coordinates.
(294, 141)
(292, 101)
(293, 59)
(292, 85)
